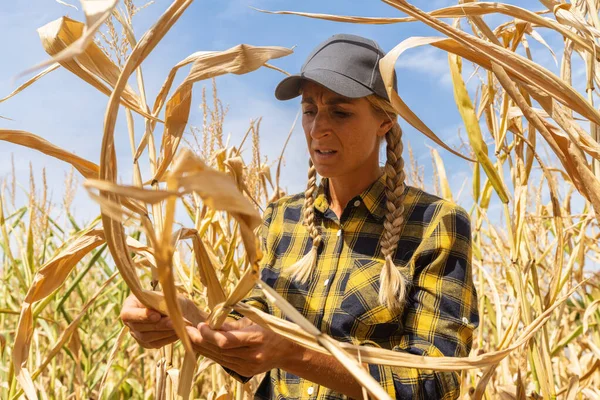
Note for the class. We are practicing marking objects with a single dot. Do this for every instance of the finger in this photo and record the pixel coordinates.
(147, 343)
(240, 356)
(238, 365)
(219, 358)
(161, 325)
(231, 324)
(133, 311)
(163, 342)
(199, 342)
(220, 339)
(226, 364)
(230, 339)
(210, 350)
(150, 337)
(139, 341)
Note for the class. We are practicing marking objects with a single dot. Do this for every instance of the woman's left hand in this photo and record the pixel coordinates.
(242, 346)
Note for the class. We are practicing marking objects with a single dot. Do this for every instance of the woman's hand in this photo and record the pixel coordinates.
(242, 346)
(148, 327)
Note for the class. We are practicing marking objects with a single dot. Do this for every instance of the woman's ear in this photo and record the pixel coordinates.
(384, 127)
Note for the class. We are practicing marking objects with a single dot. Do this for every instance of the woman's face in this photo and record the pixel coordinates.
(341, 133)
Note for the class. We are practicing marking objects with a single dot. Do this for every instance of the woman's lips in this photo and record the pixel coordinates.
(324, 156)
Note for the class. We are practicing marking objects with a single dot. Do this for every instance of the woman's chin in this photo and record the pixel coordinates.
(325, 171)
(329, 167)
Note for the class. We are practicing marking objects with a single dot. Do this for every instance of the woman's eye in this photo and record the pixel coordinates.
(342, 114)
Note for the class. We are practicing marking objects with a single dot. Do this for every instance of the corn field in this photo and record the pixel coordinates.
(186, 228)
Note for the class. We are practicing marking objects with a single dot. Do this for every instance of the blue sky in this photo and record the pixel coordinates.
(69, 113)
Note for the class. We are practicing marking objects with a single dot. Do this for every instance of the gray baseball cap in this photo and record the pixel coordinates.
(346, 64)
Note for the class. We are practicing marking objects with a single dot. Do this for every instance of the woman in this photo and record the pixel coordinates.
(365, 257)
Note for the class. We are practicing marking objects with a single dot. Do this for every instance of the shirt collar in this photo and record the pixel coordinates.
(373, 197)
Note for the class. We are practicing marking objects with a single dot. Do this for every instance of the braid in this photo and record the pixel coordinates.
(303, 268)
(392, 291)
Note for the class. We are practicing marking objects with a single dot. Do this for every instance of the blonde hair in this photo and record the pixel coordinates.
(393, 284)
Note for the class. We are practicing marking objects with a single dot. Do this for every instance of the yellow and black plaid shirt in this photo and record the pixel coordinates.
(341, 298)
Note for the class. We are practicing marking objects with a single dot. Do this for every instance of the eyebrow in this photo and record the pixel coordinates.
(332, 101)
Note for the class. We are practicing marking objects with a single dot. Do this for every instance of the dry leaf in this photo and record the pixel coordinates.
(31, 81)
(96, 12)
(92, 65)
(238, 60)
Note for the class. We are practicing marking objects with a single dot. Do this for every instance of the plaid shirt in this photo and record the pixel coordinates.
(341, 298)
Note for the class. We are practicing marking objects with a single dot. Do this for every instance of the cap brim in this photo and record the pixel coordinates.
(289, 87)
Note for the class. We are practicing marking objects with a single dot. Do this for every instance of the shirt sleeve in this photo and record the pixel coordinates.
(441, 311)
(256, 298)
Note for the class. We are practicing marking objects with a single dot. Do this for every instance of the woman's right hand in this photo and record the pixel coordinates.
(148, 327)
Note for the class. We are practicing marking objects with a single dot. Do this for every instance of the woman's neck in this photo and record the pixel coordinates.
(345, 187)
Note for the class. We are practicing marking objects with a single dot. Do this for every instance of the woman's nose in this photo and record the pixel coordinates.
(320, 126)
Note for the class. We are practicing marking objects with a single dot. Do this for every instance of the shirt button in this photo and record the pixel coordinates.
(311, 390)
(465, 320)
(339, 232)
(357, 203)
(326, 282)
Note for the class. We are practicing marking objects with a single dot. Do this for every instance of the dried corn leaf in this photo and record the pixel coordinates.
(471, 9)
(480, 58)
(161, 98)
(115, 235)
(386, 66)
(265, 176)
(585, 181)
(235, 165)
(224, 393)
(515, 64)
(589, 311)
(333, 347)
(216, 189)
(206, 269)
(96, 12)
(566, 17)
(303, 333)
(242, 288)
(238, 60)
(573, 388)
(64, 3)
(87, 168)
(534, 34)
(31, 81)
(93, 65)
(569, 125)
(141, 50)
(149, 196)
